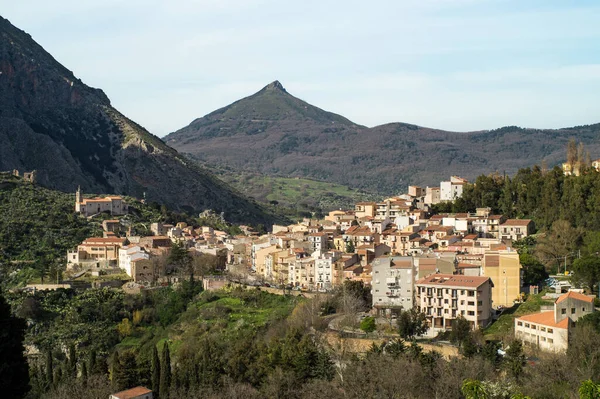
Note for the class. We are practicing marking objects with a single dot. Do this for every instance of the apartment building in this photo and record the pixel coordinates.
(392, 283)
(504, 268)
(445, 297)
(516, 229)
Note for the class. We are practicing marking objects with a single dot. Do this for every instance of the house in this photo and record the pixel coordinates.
(549, 330)
(504, 268)
(432, 195)
(392, 283)
(362, 209)
(129, 254)
(133, 393)
(91, 206)
(96, 251)
(445, 297)
(516, 229)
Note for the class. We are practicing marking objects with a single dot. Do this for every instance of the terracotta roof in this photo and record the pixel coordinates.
(517, 222)
(470, 237)
(546, 319)
(575, 295)
(491, 260)
(132, 393)
(464, 265)
(454, 280)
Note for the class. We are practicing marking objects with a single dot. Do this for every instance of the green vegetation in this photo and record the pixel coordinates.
(503, 327)
(296, 197)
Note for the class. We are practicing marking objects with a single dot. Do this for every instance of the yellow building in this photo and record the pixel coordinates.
(504, 268)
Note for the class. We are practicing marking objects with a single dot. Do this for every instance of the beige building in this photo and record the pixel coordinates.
(445, 297)
(516, 229)
(91, 206)
(504, 268)
(104, 252)
(363, 209)
(549, 330)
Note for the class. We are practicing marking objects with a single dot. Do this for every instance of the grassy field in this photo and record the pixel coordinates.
(297, 193)
(505, 323)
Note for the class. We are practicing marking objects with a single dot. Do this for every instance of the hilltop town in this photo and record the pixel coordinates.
(447, 266)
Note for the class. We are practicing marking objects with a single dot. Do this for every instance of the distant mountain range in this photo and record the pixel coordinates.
(275, 133)
(52, 122)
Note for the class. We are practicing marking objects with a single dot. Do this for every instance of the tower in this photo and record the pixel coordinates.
(78, 195)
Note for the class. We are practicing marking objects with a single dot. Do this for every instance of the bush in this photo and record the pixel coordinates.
(368, 324)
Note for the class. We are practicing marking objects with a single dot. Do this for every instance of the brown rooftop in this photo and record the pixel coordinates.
(132, 393)
(454, 280)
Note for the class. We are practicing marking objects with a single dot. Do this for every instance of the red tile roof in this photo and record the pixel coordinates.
(575, 295)
(546, 319)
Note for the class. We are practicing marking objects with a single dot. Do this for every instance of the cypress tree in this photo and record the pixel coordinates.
(72, 362)
(84, 374)
(165, 373)
(49, 367)
(116, 370)
(155, 370)
(92, 361)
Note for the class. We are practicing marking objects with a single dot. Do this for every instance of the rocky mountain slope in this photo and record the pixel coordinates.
(52, 122)
(273, 132)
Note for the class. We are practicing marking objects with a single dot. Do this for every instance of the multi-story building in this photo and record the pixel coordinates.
(453, 189)
(445, 297)
(104, 252)
(318, 241)
(325, 269)
(549, 330)
(516, 229)
(504, 268)
(392, 283)
(432, 195)
(129, 254)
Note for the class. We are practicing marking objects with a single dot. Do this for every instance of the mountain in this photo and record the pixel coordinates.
(70, 134)
(275, 133)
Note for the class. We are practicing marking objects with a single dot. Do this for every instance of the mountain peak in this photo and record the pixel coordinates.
(276, 86)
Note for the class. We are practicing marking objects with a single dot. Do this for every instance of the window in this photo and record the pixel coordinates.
(445, 301)
(544, 339)
(550, 340)
(550, 331)
(471, 293)
(471, 313)
(526, 325)
(583, 308)
(471, 303)
(543, 329)
(519, 323)
(572, 310)
(445, 310)
(563, 311)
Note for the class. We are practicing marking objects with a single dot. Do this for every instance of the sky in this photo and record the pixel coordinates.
(458, 65)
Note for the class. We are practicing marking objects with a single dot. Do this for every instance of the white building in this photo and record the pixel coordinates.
(92, 206)
(392, 283)
(549, 330)
(324, 268)
(453, 189)
(129, 254)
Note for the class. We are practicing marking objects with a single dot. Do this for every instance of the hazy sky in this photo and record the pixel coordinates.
(451, 64)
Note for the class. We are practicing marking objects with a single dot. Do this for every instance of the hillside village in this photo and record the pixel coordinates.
(448, 266)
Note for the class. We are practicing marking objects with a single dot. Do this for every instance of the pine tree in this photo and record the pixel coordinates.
(92, 362)
(165, 373)
(155, 370)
